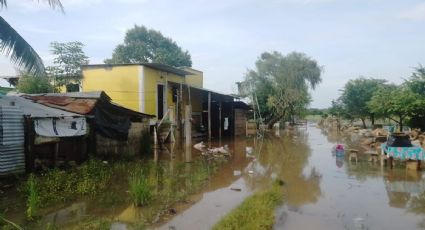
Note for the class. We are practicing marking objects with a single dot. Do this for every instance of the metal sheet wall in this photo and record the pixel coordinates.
(12, 138)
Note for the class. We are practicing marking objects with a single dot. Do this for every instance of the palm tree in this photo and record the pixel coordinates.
(14, 46)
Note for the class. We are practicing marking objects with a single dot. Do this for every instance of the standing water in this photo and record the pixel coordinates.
(323, 191)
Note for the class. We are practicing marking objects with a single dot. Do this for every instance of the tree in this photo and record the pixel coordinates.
(14, 46)
(280, 84)
(33, 84)
(69, 57)
(396, 101)
(143, 45)
(356, 94)
(416, 83)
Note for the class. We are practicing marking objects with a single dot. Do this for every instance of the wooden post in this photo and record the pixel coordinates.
(188, 125)
(180, 112)
(209, 116)
(219, 121)
(29, 144)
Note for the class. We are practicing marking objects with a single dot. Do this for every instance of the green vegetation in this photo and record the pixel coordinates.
(147, 45)
(154, 185)
(141, 187)
(33, 198)
(20, 52)
(56, 186)
(33, 84)
(355, 96)
(279, 87)
(370, 98)
(256, 212)
(69, 57)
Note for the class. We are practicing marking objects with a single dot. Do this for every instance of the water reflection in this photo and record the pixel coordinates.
(287, 157)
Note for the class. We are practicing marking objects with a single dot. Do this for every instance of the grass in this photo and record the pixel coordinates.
(154, 185)
(256, 212)
(141, 188)
(33, 198)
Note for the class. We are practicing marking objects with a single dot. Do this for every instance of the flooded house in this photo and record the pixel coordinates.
(114, 129)
(171, 94)
(34, 134)
(53, 128)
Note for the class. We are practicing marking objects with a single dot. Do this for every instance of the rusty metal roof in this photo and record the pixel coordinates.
(81, 103)
(76, 105)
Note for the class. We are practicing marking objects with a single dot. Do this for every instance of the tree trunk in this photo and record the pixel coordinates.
(364, 123)
(273, 120)
(401, 123)
(372, 119)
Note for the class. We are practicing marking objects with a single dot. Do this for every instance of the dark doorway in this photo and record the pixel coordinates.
(160, 101)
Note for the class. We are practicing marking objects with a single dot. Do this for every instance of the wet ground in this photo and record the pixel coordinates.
(323, 191)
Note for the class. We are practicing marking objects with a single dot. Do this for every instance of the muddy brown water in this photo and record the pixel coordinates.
(323, 191)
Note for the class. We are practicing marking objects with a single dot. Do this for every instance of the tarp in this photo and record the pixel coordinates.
(60, 127)
(110, 123)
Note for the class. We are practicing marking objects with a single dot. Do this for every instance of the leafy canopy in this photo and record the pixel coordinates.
(33, 84)
(13, 45)
(357, 93)
(280, 84)
(69, 57)
(147, 45)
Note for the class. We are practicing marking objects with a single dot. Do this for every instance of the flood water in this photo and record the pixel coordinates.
(322, 191)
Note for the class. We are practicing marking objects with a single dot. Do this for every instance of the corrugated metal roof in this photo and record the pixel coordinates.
(81, 103)
(12, 159)
(11, 125)
(35, 110)
(90, 95)
(75, 105)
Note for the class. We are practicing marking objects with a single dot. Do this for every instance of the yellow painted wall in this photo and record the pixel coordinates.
(196, 79)
(121, 83)
(152, 79)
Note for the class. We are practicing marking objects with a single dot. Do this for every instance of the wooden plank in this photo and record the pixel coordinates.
(188, 125)
(209, 116)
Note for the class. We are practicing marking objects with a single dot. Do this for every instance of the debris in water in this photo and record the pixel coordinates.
(251, 172)
(237, 173)
(236, 189)
(200, 146)
(172, 211)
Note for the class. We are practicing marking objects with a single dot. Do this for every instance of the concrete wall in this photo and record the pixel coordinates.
(110, 147)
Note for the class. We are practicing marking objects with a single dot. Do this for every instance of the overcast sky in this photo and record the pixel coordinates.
(350, 38)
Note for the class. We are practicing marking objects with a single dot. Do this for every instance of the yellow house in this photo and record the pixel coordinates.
(149, 88)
